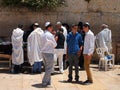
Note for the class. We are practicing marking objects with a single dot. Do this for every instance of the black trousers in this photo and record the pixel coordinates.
(17, 69)
(73, 61)
(81, 61)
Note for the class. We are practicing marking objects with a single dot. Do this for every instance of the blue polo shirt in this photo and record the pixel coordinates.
(74, 42)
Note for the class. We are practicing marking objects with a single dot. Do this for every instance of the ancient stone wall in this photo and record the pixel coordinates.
(95, 12)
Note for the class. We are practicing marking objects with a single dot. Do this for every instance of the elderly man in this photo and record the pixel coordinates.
(17, 44)
(103, 38)
(59, 25)
(59, 50)
(34, 48)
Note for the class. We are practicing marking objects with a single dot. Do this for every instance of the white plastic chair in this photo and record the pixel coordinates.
(103, 62)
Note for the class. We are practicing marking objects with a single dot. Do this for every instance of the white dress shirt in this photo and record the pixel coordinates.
(89, 43)
(48, 42)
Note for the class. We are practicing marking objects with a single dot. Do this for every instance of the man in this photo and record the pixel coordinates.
(17, 44)
(34, 48)
(74, 47)
(59, 49)
(88, 51)
(27, 33)
(103, 39)
(81, 58)
(59, 25)
(48, 45)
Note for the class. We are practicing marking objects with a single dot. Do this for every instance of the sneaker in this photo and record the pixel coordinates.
(87, 82)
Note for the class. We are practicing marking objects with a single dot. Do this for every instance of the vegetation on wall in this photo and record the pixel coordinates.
(35, 4)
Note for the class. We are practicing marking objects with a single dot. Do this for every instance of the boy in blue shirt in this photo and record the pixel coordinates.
(74, 47)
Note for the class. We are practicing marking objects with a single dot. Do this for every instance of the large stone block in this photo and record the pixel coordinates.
(104, 6)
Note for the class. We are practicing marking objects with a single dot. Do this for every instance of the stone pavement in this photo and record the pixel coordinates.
(103, 80)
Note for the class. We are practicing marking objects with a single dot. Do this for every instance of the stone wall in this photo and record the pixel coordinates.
(95, 12)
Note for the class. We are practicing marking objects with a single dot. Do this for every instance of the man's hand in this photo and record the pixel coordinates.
(79, 53)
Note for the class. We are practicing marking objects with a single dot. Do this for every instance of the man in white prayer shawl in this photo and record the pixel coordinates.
(17, 47)
(34, 48)
(104, 40)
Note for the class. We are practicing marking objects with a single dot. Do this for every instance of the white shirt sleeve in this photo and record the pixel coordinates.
(89, 43)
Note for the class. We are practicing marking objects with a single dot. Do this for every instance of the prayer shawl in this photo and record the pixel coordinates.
(103, 39)
(34, 46)
(17, 44)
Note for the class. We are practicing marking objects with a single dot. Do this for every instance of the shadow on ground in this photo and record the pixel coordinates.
(37, 85)
(73, 82)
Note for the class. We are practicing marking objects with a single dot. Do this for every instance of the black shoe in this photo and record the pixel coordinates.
(46, 86)
(39, 72)
(52, 74)
(87, 82)
(69, 80)
(76, 80)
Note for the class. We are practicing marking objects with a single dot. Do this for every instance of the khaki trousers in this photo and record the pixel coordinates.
(87, 60)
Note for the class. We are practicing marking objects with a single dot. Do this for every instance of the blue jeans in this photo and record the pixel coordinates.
(37, 67)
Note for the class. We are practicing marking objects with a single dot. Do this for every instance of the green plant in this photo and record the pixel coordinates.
(35, 4)
(11, 2)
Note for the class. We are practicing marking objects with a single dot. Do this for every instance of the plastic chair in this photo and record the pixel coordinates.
(104, 60)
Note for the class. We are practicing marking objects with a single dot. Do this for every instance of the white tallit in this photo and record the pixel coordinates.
(103, 39)
(34, 46)
(17, 46)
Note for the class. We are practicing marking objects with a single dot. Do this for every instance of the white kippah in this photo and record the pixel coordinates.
(47, 24)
